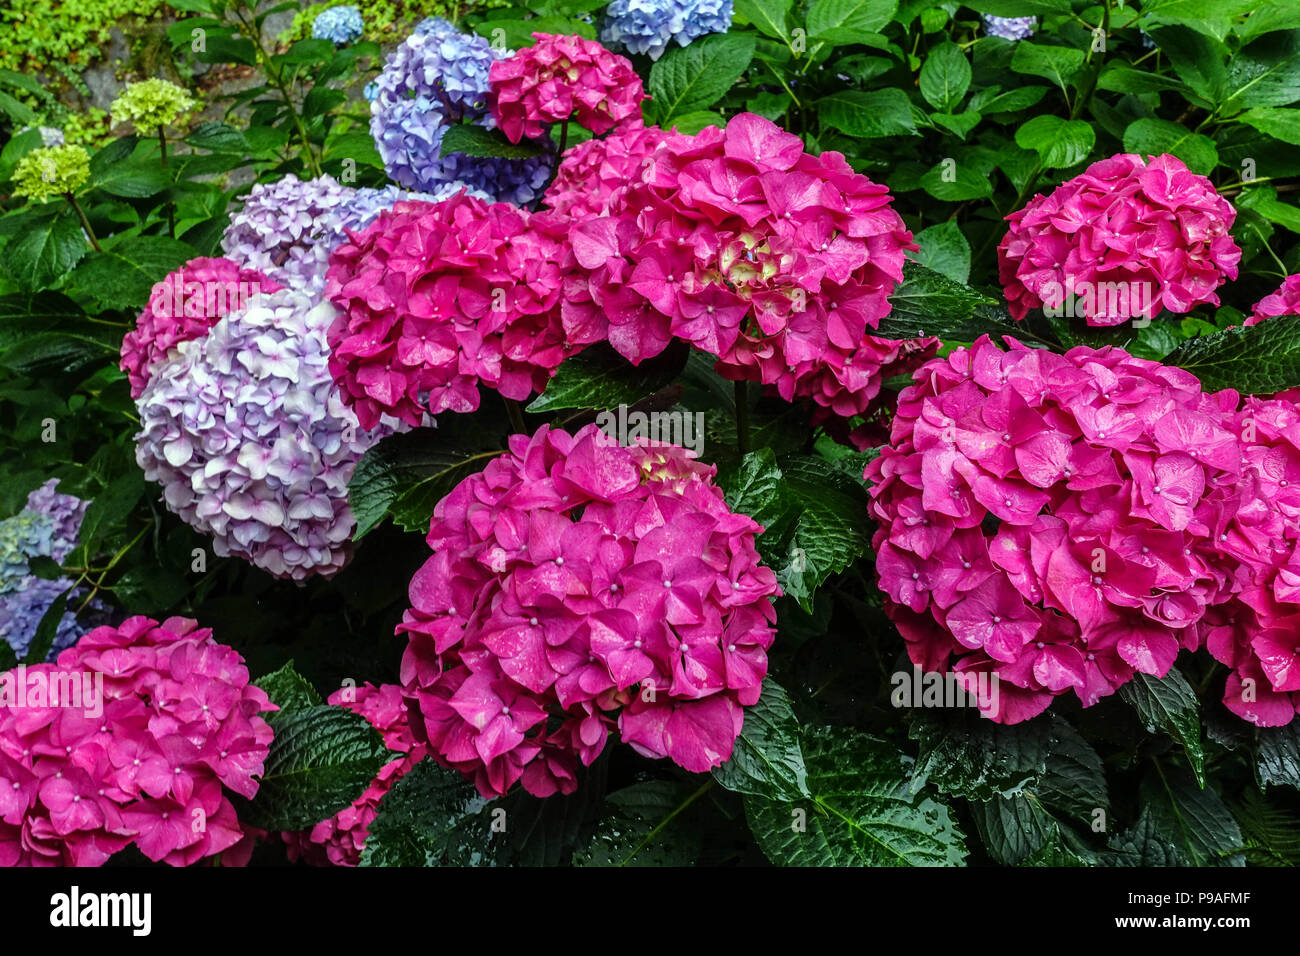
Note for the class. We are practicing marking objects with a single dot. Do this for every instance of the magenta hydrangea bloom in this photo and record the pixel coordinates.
(1285, 301)
(152, 762)
(339, 840)
(438, 299)
(1059, 521)
(183, 306)
(576, 586)
(592, 176)
(563, 77)
(739, 242)
(1255, 634)
(1125, 237)
(251, 441)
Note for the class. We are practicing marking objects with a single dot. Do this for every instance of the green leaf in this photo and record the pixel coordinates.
(642, 825)
(322, 758)
(485, 143)
(1152, 137)
(692, 78)
(965, 755)
(219, 138)
(431, 817)
(945, 77)
(1120, 77)
(1010, 101)
(123, 276)
(1265, 73)
(768, 16)
(1193, 818)
(1283, 124)
(1272, 834)
(288, 689)
(19, 113)
(961, 123)
(1277, 756)
(866, 16)
(518, 34)
(400, 464)
(767, 760)
(1169, 705)
(1197, 59)
(115, 170)
(1059, 143)
(945, 250)
(928, 303)
(59, 351)
(1074, 784)
(38, 258)
(110, 508)
(1014, 828)
(48, 627)
(1144, 844)
(870, 115)
(863, 811)
(956, 182)
(600, 378)
(1058, 64)
(814, 517)
(306, 51)
(1256, 360)
(321, 99)
(14, 150)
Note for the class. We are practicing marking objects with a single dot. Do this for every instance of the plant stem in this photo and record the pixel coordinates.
(277, 80)
(171, 207)
(564, 136)
(742, 418)
(85, 223)
(516, 413)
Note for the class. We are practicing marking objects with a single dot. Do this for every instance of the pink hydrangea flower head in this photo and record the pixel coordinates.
(576, 587)
(592, 176)
(739, 242)
(1125, 238)
(183, 306)
(339, 840)
(1061, 521)
(252, 443)
(437, 299)
(137, 734)
(1285, 301)
(561, 77)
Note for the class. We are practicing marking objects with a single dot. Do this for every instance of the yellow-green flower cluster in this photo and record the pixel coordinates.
(150, 105)
(52, 171)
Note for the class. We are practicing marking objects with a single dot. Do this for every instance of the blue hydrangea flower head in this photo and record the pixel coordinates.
(648, 26)
(436, 78)
(339, 25)
(1009, 28)
(46, 527)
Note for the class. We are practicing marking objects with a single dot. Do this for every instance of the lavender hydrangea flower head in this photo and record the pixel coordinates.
(1009, 28)
(250, 439)
(339, 25)
(437, 77)
(46, 527)
(280, 227)
(648, 26)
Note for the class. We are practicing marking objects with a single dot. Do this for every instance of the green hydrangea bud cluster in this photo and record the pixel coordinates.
(52, 171)
(151, 105)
